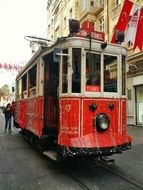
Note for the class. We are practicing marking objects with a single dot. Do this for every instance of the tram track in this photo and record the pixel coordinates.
(83, 185)
(88, 184)
(79, 182)
(129, 180)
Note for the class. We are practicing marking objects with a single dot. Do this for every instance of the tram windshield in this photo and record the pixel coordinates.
(76, 70)
(93, 72)
(110, 73)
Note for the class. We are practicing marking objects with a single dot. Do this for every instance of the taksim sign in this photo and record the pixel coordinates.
(95, 35)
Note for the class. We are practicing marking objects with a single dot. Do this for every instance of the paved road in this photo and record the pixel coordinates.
(23, 168)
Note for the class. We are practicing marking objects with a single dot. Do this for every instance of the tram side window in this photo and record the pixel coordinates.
(32, 80)
(76, 67)
(93, 71)
(110, 73)
(65, 72)
(123, 76)
(24, 86)
(19, 88)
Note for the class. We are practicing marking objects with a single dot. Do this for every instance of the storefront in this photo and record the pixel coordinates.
(135, 90)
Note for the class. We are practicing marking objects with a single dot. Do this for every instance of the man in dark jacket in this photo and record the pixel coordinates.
(7, 112)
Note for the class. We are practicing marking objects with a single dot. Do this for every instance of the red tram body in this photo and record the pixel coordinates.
(66, 104)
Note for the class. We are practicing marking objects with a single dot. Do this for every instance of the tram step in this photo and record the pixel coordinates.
(51, 154)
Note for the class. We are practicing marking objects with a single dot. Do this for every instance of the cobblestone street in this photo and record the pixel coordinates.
(22, 167)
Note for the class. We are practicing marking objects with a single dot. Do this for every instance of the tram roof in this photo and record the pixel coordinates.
(42, 51)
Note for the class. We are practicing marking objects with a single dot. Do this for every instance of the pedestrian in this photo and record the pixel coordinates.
(7, 112)
(13, 112)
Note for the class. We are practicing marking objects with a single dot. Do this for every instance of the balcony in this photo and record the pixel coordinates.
(116, 10)
(56, 7)
(99, 6)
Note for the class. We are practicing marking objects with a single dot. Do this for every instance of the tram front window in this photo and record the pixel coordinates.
(76, 68)
(93, 72)
(110, 73)
(65, 72)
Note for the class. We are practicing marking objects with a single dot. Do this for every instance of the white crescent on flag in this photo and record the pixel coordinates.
(123, 16)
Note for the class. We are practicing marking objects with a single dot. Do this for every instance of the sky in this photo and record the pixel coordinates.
(19, 18)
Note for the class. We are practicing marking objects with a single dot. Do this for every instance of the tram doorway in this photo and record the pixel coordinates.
(51, 83)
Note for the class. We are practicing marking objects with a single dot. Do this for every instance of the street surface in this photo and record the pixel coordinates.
(23, 168)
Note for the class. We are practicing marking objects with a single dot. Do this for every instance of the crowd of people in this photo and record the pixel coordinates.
(9, 112)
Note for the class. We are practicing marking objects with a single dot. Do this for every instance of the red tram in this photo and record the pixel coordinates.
(71, 98)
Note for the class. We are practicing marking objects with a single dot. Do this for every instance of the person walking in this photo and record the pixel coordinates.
(7, 112)
(13, 112)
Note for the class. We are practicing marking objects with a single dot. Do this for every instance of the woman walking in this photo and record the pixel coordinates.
(7, 112)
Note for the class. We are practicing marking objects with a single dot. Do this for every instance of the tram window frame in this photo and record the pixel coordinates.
(65, 72)
(32, 80)
(110, 78)
(76, 70)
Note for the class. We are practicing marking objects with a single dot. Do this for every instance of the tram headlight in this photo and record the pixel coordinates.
(101, 122)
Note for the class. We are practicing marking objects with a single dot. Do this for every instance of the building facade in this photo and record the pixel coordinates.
(104, 14)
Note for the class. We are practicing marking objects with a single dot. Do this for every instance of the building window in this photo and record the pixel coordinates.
(66, 1)
(65, 21)
(129, 94)
(91, 2)
(130, 44)
(83, 5)
(70, 15)
(101, 2)
(101, 24)
(117, 2)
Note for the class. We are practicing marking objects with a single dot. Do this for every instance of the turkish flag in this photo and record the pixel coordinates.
(139, 33)
(123, 19)
(131, 33)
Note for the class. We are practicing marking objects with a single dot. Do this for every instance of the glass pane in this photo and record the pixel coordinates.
(76, 67)
(123, 76)
(19, 89)
(65, 72)
(93, 72)
(110, 73)
(32, 76)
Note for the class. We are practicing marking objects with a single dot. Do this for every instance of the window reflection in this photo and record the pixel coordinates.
(110, 73)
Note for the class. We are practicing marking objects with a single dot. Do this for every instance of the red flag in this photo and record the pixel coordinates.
(139, 33)
(123, 19)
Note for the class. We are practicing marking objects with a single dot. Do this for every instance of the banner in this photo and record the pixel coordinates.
(131, 33)
(139, 33)
(123, 19)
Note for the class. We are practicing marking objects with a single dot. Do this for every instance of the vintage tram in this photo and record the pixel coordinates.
(71, 98)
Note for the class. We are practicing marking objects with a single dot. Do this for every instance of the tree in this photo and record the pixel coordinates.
(4, 90)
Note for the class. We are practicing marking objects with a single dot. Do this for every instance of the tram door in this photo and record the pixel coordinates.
(51, 83)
